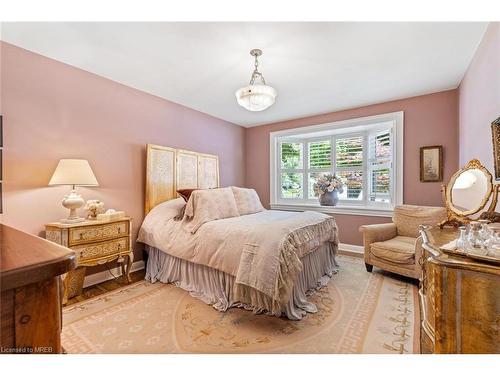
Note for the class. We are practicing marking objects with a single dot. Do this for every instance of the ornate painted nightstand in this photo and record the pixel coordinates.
(94, 242)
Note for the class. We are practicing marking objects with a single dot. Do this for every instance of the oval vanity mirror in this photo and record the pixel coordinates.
(468, 192)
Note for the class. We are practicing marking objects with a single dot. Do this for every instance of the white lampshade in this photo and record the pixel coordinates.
(256, 97)
(73, 172)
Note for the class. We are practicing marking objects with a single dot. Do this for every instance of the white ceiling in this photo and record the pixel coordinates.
(316, 67)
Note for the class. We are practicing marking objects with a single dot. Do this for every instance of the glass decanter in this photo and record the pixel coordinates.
(493, 242)
(485, 232)
(462, 241)
(475, 243)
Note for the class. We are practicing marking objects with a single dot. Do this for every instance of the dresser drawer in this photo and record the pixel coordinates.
(102, 232)
(101, 249)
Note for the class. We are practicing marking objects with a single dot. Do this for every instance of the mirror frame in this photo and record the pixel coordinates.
(473, 164)
(457, 217)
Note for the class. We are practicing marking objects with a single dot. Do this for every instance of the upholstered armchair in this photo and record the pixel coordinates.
(396, 246)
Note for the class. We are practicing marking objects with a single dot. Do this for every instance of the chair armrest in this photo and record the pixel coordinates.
(378, 232)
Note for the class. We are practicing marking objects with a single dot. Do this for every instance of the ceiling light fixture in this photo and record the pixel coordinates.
(256, 97)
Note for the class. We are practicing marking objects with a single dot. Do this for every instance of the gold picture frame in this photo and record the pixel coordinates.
(431, 164)
(495, 138)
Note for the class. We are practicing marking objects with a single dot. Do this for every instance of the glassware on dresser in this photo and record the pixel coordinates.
(475, 238)
(484, 232)
(493, 243)
(462, 242)
(494, 251)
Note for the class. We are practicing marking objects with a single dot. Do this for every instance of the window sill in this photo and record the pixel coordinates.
(342, 210)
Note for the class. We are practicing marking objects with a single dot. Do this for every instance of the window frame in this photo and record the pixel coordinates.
(365, 126)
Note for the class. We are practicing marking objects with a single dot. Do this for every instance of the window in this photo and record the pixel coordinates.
(365, 153)
(380, 161)
(291, 156)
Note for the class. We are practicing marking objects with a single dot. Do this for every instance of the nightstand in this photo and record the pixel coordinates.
(94, 242)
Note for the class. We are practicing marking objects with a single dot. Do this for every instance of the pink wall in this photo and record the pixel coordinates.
(428, 120)
(479, 100)
(53, 111)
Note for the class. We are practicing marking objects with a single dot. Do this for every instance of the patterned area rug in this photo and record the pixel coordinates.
(359, 312)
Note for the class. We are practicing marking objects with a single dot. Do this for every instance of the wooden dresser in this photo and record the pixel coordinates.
(94, 242)
(30, 273)
(460, 300)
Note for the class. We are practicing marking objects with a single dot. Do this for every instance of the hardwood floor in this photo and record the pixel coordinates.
(106, 286)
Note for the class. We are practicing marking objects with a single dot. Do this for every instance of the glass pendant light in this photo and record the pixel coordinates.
(256, 96)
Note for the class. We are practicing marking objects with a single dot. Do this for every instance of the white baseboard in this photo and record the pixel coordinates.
(352, 250)
(100, 277)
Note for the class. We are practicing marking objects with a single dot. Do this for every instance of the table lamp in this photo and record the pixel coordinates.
(75, 172)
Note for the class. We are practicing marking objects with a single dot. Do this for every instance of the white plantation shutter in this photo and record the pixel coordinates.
(292, 176)
(349, 152)
(320, 154)
(349, 166)
(380, 165)
(291, 155)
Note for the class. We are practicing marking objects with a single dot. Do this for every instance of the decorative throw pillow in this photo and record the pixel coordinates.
(247, 200)
(208, 205)
(185, 193)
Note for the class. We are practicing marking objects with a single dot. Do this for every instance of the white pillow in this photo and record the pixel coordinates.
(247, 200)
(208, 205)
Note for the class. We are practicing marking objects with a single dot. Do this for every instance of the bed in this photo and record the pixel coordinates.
(223, 247)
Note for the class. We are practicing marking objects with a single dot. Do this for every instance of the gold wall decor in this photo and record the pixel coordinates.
(169, 169)
(495, 136)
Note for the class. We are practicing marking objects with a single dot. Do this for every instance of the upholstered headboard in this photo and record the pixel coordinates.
(169, 169)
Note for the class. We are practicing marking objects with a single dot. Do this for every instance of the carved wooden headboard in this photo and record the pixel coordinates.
(169, 169)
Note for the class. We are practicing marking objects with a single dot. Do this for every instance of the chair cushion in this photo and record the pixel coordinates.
(408, 218)
(399, 249)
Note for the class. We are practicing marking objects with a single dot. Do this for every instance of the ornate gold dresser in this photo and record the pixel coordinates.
(460, 299)
(94, 242)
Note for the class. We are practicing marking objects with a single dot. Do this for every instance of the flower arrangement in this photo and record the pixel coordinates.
(94, 207)
(328, 183)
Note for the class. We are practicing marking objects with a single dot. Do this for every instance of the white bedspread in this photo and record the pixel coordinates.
(261, 250)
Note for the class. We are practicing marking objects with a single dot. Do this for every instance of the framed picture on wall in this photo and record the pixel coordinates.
(495, 137)
(431, 163)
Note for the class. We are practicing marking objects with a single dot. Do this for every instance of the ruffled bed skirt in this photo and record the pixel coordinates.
(217, 288)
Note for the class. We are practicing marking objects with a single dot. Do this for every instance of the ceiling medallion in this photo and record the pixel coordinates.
(256, 96)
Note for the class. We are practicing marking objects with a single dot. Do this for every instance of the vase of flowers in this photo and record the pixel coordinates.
(94, 207)
(328, 187)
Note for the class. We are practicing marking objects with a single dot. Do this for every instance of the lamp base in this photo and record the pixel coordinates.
(73, 201)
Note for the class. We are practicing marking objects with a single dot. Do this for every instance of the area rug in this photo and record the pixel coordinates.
(359, 312)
